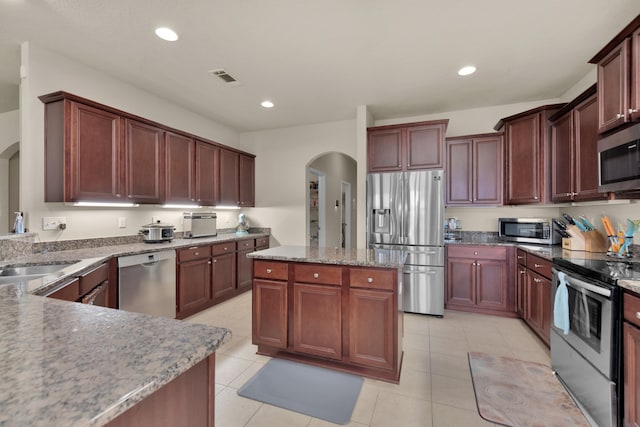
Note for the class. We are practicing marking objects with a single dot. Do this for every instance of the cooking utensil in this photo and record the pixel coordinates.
(562, 233)
(580, 225)
(568, 218)
(560, 223)
(608, 228)
(586, 222)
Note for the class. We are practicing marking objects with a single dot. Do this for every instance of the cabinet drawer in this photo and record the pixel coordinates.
(477, 252)
(539, 265)
(70, 291)
(631, 309)
(193, 252)
(246, 244)
(262, 242)
(270, 270)
(315, 273)
(372, 278)
(93, 278)
(521, 257)
(223, 248)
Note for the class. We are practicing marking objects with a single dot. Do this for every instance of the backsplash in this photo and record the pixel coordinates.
(16, 245)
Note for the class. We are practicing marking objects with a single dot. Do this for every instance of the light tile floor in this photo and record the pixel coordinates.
(435, 387)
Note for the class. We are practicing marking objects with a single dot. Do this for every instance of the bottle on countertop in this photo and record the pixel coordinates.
(18, 226)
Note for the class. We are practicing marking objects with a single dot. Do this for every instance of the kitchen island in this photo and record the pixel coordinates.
(69, 364)
(335, 308)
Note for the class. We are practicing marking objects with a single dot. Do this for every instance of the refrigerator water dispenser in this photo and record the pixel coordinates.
(381, 220)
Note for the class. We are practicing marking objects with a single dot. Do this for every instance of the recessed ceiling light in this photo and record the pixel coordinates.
(465, 71)
(267, 104)
(166, 34)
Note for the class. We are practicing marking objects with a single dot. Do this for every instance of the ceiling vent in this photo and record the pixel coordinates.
(225, 77)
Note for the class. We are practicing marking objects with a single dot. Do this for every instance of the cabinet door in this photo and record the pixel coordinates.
(545, 309)
(425, 147)
(223, 275)
(384, 150)
(229, 167)
(585, 119)
(207, 179)
(631, 361)
(634, 102)
(523, 160)
(459, 170)
(145, 162)
(194, 286)
(562, 137)
(247, 181)
(317, 320)
(371, 326)
(93, 158)
(269, 313)
(613, 80)
(487, 171)
(534, 297)
(491, 284)
(461, 281)
(245, 269)
(180, 169)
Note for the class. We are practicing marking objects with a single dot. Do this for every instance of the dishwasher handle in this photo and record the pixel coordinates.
(149, 258)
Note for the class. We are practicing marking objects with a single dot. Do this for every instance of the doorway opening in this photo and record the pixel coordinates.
(345, 214)
(316, 207)
(9, 186)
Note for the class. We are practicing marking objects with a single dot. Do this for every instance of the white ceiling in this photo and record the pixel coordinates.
(318, 60)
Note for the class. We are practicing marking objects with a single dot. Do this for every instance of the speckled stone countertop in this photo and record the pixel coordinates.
(69, 364)
(83, 259)
(387, 258)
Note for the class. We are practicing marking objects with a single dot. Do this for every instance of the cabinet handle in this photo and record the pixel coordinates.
(535, 197)
(477, 264)
(475, 253)
(637, 314)
(520, 257)
(225, 248)
(535, 279)
(370, 280)
(316, 275)
(522, 271)
(537, 265)
(633, 110)
(193, 247)
(268, 271)
(197, 253)
(117, 195)
(619, 116)
(399, 166)
(209, 262)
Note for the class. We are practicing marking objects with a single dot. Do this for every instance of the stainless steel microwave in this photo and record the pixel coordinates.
(528, 230)
(619, 161)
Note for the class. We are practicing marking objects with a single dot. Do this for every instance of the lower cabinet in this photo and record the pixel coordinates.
(521, 282)
(631, 360)
(536, 283)
(223, 271)
(478, 279)
(244, 273)
(95, 287)
(329, 315)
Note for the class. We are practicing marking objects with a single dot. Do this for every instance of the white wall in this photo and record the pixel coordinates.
(48, 72)
(281, 159)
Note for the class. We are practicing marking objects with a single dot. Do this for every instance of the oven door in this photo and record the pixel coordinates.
(590, 320)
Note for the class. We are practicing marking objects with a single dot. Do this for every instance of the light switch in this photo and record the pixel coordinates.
(122, 222)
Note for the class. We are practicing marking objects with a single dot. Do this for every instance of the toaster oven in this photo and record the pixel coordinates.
(199, 224)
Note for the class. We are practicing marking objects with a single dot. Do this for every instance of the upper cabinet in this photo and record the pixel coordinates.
(619, 79)
(474, 170)
(96, 153)
(528, 156)
(412, 146)
(574, 138)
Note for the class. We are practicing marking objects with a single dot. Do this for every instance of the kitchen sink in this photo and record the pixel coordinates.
(28, 272)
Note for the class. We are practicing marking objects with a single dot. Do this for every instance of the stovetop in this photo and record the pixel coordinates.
(606, 270)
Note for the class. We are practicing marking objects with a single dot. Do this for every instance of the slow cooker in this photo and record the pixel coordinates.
(156, 233)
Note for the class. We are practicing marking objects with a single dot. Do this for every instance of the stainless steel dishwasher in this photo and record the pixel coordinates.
(147, 283)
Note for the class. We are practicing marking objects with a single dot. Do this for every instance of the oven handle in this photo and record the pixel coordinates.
(584, 285)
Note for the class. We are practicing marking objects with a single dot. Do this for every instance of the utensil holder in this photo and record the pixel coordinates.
(587, 241)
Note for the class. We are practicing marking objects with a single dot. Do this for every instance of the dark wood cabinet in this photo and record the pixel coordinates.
(474, 170)
(223, 274)
(631, 359)
(180, 171)
(537, 295)
(528, 156)
(244, 273)
(193, 287)
(95, 287)
(144, 162)
(411, 146)
(521, 283)
(336, 316)
(574, 142)
(96, 153)
(478, 279)
(207, 180)
(270, 304)
(619, 79)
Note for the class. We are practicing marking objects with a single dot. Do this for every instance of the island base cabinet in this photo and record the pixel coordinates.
(317, 320)
(188, 400)
(371, 328)
(269, 313)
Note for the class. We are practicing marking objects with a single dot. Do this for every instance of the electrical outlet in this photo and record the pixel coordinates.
(54, 222)
(155, 219)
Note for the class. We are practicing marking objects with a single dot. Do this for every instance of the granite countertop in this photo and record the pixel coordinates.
(387, 258)
(82, 259)
(69, 364)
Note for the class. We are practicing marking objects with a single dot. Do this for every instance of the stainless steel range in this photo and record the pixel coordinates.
(587, 358)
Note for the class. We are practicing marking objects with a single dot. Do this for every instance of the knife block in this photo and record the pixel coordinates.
(587, 241)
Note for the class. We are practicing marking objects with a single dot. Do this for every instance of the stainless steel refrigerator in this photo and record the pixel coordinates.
(405, 210)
